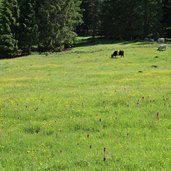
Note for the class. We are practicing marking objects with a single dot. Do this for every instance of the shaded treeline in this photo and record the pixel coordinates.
(51, 25)
(126, 19)
(46, 24)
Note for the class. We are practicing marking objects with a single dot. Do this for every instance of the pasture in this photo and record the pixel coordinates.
(59, 112)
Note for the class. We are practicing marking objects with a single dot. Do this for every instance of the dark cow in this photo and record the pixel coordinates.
(118, 53)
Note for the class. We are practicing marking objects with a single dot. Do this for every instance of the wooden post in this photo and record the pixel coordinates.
(104, 155)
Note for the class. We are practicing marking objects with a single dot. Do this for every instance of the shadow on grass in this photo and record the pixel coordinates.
(89, 41)
(94, 41)
(102, 41)
(14, 57)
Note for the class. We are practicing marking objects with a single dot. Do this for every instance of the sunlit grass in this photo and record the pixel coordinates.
(59, 112)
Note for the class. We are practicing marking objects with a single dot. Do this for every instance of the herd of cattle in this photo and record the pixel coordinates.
(162, 47)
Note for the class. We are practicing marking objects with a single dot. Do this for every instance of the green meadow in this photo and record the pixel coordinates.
(59, 111)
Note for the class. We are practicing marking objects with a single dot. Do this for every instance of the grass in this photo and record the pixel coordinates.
(59, 112)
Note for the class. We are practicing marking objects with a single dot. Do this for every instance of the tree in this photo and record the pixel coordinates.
(8, 28)
(152, 14)
(130, 19)
(56, 21)
(67, 18)
(91, 10)
(121, 19)
(49, 24)
(166, 20)
(28, 27)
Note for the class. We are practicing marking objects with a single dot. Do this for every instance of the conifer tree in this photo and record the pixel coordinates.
(56, 21)
(67, 19)
(166, 20)
(27, 29)
(91, 10)
(8, 28)
(130, 19)
(152, 14)
(49, 24)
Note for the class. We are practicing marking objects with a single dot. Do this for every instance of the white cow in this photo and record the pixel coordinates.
(162, 47)
(161, 40)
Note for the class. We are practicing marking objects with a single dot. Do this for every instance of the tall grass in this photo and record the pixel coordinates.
(59, 112)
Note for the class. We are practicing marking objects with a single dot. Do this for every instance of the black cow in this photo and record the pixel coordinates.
(118, 52)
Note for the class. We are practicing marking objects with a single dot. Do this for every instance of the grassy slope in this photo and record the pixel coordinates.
(59, 112)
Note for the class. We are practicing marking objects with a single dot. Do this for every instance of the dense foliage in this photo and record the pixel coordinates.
(166, 21)
(28, 26)
(131, 19)
(48, 24)
(91, 10)
(9, 28)
(124, 19)
(56, 22)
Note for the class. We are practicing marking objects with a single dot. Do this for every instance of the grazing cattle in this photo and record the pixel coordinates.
(161, 40)
(162, 47)
(117, 53)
